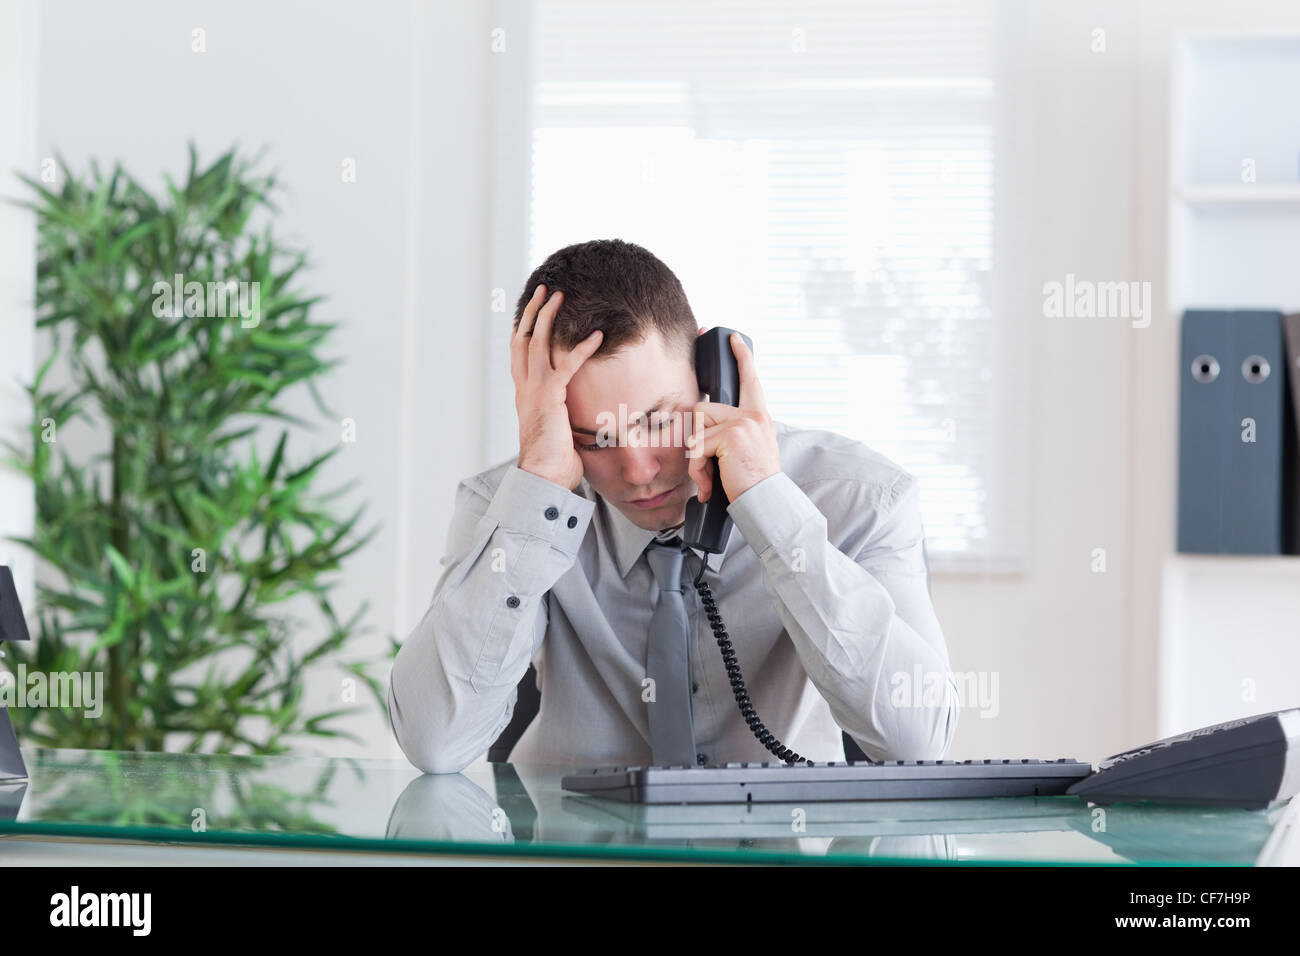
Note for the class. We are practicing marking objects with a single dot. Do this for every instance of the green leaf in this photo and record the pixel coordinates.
(124, 572)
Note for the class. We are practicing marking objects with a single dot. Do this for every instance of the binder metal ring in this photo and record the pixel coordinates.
(1255, 369)
(1205, 369)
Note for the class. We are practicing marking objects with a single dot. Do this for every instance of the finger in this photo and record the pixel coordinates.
(701, 473)
(707, 442)
(539, 349)
(751, 392)
(702, 449)
(519, 337)
(705, 414)
(696, 465)
(525, 327)
(699, 332)
(570, 364)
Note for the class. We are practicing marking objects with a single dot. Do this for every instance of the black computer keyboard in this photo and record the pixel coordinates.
(853, 780)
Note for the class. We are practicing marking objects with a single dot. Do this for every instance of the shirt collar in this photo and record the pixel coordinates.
(628, 541)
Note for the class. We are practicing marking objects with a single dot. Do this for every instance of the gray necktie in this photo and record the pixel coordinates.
(672, 725)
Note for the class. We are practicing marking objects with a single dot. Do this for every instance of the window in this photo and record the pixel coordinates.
(821, 176)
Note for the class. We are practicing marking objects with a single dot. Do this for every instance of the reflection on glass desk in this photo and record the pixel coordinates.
(520, 810)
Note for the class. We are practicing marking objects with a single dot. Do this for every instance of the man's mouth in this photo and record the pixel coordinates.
(654, 502)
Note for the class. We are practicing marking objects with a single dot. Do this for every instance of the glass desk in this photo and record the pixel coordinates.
(520, 812)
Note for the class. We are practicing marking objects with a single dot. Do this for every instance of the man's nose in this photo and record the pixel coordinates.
(640, 465)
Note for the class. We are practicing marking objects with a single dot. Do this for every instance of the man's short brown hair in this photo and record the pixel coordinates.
(617, 287)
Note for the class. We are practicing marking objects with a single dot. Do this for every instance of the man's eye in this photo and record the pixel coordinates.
(580, 445)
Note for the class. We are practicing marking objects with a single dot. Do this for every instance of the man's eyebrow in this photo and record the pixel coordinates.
(671, 397)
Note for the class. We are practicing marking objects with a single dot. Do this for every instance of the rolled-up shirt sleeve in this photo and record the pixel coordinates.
(855, 601)
(452, 689)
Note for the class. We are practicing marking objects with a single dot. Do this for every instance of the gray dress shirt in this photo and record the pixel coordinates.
(823, 588)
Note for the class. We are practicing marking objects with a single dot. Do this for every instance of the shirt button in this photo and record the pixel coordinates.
(573, 521)
(695, 688)
(701, 759)
(512, 601)
(552, 513)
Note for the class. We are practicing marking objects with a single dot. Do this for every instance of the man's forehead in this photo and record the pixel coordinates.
(657, 403)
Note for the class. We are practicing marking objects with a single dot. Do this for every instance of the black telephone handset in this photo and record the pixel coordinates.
(708, 525)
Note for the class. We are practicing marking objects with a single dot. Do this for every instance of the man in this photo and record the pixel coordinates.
(822, 586)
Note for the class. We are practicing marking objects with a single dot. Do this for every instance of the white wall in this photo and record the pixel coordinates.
(400, 254)
(17, 277)
(1054, 635)
(1078, 652)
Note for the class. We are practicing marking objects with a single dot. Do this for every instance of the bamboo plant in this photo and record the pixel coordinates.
(175, 559)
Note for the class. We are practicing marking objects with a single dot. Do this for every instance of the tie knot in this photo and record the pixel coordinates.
(666, 563)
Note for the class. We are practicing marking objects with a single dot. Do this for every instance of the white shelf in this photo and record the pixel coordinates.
(1229, 633)
(1241, 194)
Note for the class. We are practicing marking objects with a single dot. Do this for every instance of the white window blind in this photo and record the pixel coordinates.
(819, 175)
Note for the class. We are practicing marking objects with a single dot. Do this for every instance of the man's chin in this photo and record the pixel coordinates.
(668, 515)
(650, 522)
